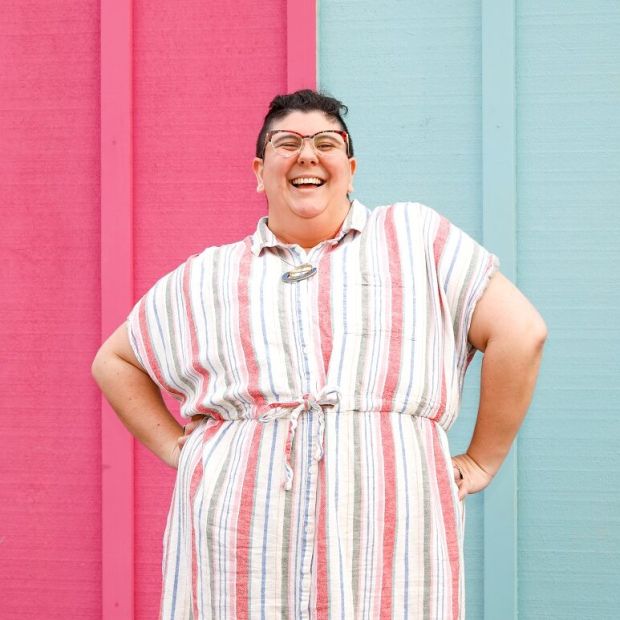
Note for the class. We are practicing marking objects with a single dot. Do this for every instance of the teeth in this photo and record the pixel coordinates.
(307, 181)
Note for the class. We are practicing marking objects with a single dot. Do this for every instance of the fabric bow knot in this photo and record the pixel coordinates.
(328, 397)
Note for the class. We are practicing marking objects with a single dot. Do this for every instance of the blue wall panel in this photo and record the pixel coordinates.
(410, 73)
(568, 93)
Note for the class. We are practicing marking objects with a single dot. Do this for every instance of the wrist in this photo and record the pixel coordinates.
(172, 453)
(481, 463)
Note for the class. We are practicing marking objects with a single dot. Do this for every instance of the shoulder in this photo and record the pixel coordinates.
(205, 259)
(416, 218)
(413, 211)
(216, 252)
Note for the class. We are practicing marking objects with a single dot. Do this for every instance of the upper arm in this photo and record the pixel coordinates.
(503, 309)
(118, 344)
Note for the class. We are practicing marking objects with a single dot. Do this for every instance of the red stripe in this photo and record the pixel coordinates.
(325, 327)
(243, 544)
(442, 400)
(245, 331)
(389, 516)
(394, 352)
(325, 311)
(440, 239)
(391, 383)
(438, 246)
(449, 519)
(196, 478)
(322, 587)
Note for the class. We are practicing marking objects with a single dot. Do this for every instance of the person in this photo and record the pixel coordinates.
(321, 362)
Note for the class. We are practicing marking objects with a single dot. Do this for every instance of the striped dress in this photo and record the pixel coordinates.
(319, 484)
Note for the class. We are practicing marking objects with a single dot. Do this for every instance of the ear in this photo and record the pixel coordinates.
(352, 168)
(257, 167)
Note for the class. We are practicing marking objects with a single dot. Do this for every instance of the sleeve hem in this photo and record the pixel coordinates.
(492, 269)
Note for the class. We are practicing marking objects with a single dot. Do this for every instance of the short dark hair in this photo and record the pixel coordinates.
(305, 101)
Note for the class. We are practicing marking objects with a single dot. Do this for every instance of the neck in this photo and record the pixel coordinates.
(307, 232)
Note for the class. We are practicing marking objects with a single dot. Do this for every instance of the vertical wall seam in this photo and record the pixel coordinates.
(117, 470)
(301, 48)
(499, 204)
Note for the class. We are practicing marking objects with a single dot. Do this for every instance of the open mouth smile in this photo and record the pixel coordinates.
(308, 182)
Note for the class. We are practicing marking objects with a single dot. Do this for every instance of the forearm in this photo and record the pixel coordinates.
(509, 371)
(138, 403)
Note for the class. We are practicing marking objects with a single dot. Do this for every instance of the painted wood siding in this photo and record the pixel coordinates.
(412, 74)
(50, 461)
(568, 253)
(203, 79)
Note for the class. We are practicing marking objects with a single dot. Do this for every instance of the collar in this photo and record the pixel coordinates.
(355, 220)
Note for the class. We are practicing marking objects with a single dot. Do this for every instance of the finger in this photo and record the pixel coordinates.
(462, 491)
(458, 472)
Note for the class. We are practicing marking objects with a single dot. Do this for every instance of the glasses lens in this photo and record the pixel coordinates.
(325, 143)
(286, 144)
(329, 142)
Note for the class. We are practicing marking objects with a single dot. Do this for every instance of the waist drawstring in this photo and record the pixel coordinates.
(328, 397)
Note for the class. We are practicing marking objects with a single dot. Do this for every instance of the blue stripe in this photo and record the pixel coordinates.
(267, 358)
(274, 433)
(411, 373)
(238, 440)
(235, 362)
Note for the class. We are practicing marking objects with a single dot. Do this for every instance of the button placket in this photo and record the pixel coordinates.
(311, 409)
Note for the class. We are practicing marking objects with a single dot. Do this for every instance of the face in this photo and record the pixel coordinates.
(275, 174)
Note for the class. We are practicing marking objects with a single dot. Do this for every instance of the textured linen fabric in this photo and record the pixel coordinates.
(320, 483)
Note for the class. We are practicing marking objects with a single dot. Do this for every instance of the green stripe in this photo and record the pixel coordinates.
(286, 318)
(428, 561)
(172, 282)
(210, 522)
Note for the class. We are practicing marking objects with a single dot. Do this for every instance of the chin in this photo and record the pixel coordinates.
(308, 211)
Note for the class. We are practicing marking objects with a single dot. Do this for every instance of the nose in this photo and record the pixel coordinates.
(307, 152)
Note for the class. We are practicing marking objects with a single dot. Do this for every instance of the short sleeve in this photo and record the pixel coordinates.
(464, 269)
(156, 326)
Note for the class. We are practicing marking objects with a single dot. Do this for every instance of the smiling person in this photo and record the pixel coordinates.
(321, 362)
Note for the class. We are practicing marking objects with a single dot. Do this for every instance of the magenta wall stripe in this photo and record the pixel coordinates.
(117, 477)
(300, 44)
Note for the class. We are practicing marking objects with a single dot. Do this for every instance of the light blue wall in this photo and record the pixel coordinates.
(411, 73)
(568, 259)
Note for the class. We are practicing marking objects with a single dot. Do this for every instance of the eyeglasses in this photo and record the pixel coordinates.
(325, 143)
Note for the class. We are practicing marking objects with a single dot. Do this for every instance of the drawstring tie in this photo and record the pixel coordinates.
(328, 397)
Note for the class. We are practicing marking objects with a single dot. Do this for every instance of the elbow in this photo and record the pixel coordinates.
(95, 367)
(98, 365)
(528, 336)
(537, 334)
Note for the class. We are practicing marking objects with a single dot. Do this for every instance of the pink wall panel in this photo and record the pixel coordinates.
(50, 551)
(203, 78)
(202, 81)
